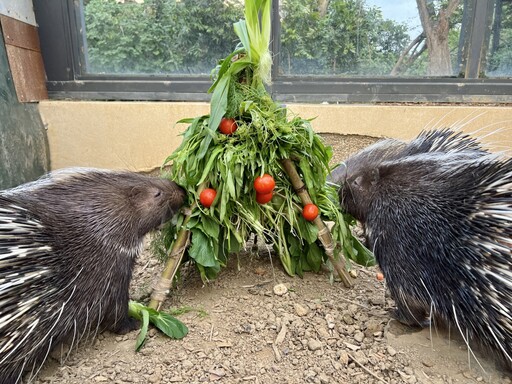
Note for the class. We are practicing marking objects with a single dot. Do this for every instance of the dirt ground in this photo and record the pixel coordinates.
(240, 331)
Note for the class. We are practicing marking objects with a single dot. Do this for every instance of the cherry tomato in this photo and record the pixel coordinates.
(263, 198)
(310, 212)
(380, 276)
(227, 126)
(264, 184)
(207, 196)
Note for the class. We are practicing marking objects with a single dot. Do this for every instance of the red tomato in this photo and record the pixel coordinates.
(264, 184)
(263, 198)
(227, 126)
(310, 212)
(207, 196)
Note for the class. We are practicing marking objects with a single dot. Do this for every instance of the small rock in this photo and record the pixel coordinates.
(330, 321)
(300, 310)
(100, 379)
(324, 379)
(427, 363)
(323, 333)
(391, 351)
(309, 374)
(314, 344)
(218, 372)
(175, 379)
(353, 273)
(377, 300)
(344, 358)
(359, 336)
(155, 378)
(187, 364)
(352, 346)
(347, 319)
(280, 289)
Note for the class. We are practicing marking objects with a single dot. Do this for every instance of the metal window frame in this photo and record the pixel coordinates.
(61, 22)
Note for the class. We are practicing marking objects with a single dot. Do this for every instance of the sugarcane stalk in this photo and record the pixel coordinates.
(161, 289)
(324, 235)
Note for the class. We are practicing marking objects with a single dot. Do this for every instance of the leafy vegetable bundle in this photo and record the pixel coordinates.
(247, 135)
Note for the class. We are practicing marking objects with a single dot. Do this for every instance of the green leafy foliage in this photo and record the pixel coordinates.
(229, 164)
(158, 36)
(266, 134)
(348, 37)
(189, 36)
(167, 324)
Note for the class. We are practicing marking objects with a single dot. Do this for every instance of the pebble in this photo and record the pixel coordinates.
(391, 351)
(100, 379)
(330, 321)
(359, 336)
(280, 289)
(343, 358)
(314, 344)
(300, 310)
(155, 378)
(324, 379)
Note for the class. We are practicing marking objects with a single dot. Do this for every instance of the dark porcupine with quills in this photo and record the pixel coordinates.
(437, 213)
(68, 244)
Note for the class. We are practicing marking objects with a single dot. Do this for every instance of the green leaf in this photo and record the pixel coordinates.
(314, 257)
(201, 249)
(212, 157)
(219, 102)
(143, 330)
(211, 227)
(169, 325)
(360, 254)
(223, 68)
(166, 323)
(230, 184)
(241, 31)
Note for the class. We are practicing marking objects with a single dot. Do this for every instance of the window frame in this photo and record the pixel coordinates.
(61, 21)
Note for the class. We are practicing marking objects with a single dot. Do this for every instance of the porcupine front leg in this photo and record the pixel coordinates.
(410, 311)
(118, 320)
(122, 327)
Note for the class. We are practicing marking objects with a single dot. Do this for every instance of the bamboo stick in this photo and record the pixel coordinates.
(324, 235)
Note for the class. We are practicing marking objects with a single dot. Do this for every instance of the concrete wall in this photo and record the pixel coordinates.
(140, 135)
(23, 145)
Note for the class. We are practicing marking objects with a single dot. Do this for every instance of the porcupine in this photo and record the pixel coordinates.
(68, 244)
(437, 213)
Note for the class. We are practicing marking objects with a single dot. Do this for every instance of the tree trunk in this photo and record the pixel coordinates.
(436, 28)
(322, 7)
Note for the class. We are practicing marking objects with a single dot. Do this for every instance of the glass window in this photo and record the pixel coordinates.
(158, 36)
(499, 62)
(369, 38)
(323, 50)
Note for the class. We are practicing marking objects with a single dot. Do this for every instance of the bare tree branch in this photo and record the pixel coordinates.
(411, 47)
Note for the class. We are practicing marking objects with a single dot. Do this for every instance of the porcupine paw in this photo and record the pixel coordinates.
(412, 319)
(126, 325)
